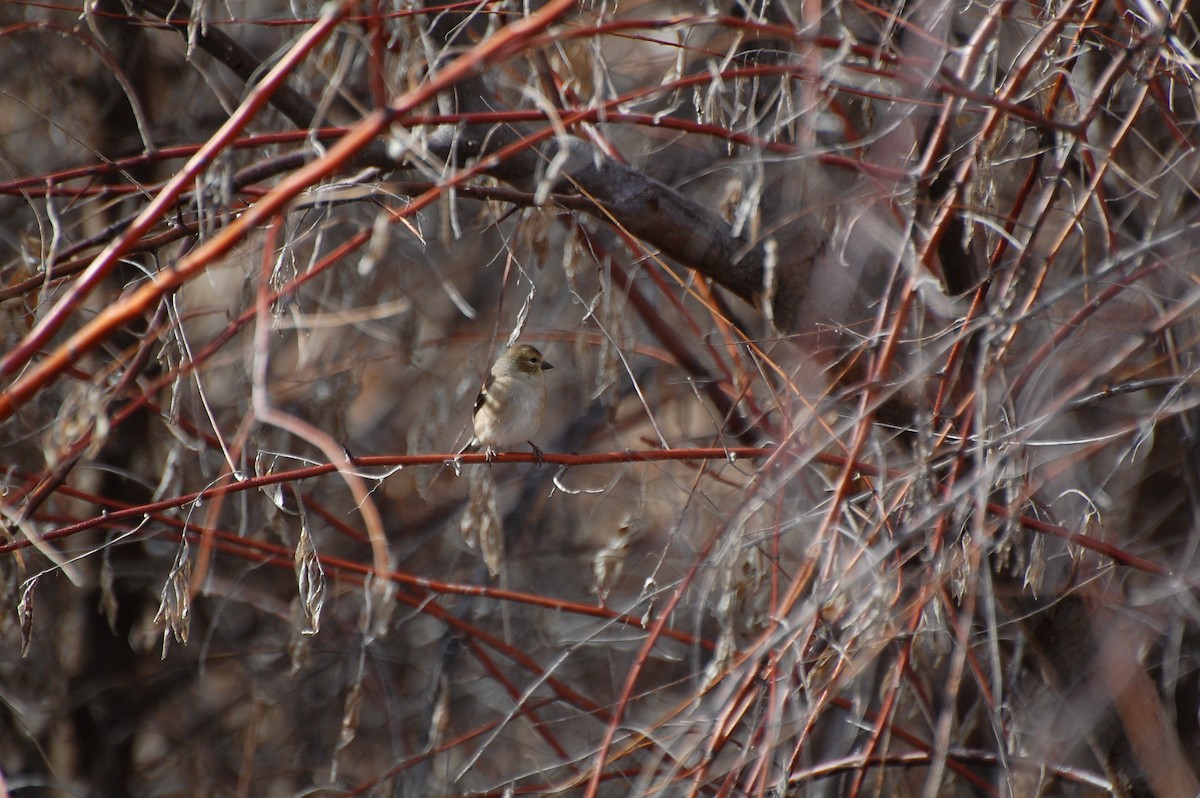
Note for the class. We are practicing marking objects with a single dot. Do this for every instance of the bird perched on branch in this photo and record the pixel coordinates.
(510, 407)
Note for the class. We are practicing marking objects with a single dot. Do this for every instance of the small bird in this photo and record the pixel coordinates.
(510, 407)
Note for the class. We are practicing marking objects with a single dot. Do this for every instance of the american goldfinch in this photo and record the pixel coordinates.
(509, 409)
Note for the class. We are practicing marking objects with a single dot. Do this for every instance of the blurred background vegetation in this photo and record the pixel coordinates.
(872, 456)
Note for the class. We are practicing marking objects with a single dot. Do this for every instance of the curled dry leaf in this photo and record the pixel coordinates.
(522, 316)
(310, 580)
(350, 714)
(175, 605)
(481, 525)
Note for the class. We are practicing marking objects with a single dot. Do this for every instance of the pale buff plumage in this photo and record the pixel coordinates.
(510, 407)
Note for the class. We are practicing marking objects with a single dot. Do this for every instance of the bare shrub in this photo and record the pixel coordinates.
(871, 459)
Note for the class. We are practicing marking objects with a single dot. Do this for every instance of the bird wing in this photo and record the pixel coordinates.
(479, 400)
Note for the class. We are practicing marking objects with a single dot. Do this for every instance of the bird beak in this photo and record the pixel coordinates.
(546, 365)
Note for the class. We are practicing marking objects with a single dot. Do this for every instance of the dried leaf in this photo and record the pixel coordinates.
(350, 714)
(439, 718)
(377, 249)
(574, 260)
(609, 561)
(716, 667)
(729, 202)
(961, 576)
(1036, 571)
(25, 613)
(273, 491)
(481, 525)
(299, 654)
(534, 229)
(175, 605)
(379, 595)
(522, 316)
(310, 579)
